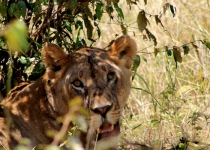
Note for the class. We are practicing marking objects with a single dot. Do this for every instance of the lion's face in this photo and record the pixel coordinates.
(101, 78)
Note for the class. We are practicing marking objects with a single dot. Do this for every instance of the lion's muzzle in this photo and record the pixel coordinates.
(107, 130)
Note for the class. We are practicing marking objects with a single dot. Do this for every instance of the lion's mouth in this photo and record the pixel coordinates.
(107, 130)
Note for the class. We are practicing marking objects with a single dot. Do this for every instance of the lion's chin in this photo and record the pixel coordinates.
(107, 130)
(106, 137)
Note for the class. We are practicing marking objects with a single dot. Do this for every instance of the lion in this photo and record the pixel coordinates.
(100, 77)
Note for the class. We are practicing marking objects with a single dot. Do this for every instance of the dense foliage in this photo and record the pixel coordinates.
(71, 24)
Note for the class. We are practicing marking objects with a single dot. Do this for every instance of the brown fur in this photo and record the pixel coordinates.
(104, 85)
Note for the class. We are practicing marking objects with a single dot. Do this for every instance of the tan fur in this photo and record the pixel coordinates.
(101, 78)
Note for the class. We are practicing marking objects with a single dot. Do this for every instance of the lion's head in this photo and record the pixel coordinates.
(101, 78)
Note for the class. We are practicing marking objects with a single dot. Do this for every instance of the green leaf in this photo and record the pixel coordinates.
(155, 122)
(3, 8)
(21, 147)
(186, 49)
(173, 10)
(76, 102)
(16, 36)
(38, 71)
(23, 60)
(169, 52)
(136, 63)
(156, 51)
(198, 128)
(78, 24)
(89, 27)
(157, 20)
(151, 36)
(11, 9)
(36, 7)
(20, 9)
(57, 1)
(119, 11)
(177, 54)
(52, 147)
(74, 1)
(144, 59)
(17, 9)
(68, 26)
(99, 10)
(98, 29)
(26, 61)
(207, 44)
(136, 126)
(181, 146)
(142, 20)
(165, 7)
(109, 10)
(131, 115)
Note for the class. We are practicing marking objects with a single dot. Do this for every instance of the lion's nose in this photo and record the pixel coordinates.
(102, 110)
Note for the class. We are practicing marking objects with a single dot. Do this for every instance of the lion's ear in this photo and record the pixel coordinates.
(53, 57)
(123, 50)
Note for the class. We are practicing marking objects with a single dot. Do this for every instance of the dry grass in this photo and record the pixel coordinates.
(174, 106)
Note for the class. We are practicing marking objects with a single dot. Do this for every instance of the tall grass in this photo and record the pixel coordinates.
(169, 104)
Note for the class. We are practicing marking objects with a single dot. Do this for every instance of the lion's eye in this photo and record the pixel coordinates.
(77, 84)
(111, 76)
